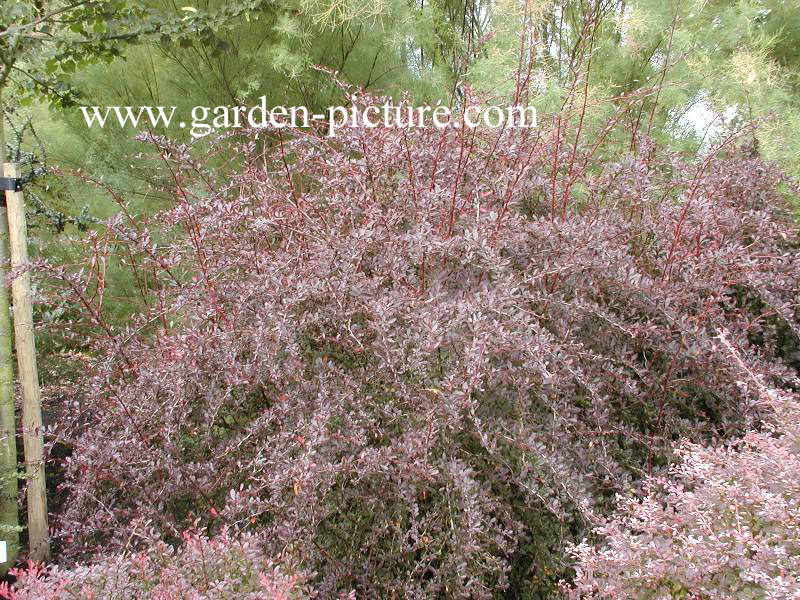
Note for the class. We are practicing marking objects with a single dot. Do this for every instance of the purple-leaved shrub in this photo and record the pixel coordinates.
(420, 362)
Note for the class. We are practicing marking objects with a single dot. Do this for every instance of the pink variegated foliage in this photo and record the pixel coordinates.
(199, 569)
(409, 356)
(724, 524)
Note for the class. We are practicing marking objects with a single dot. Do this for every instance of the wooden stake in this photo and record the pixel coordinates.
(9, 509)
(9, 505)
(32, 434)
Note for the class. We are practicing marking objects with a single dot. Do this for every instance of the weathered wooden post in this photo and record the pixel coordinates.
(32, 433)
(9, 506)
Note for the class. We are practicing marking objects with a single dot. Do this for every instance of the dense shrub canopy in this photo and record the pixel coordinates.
(409, 356)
